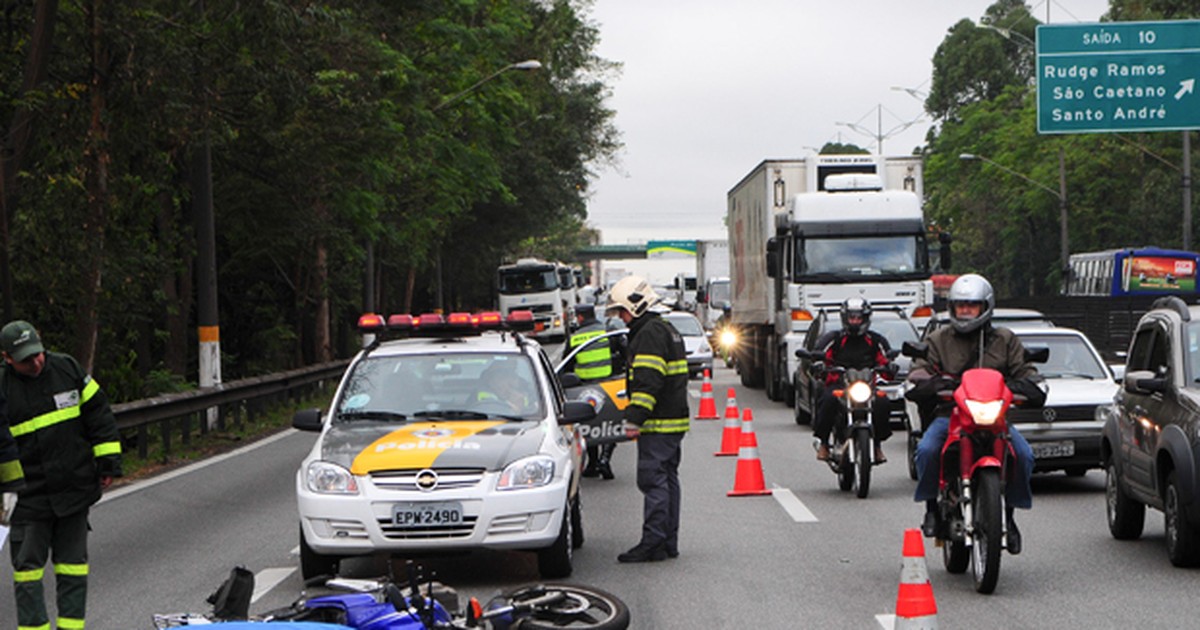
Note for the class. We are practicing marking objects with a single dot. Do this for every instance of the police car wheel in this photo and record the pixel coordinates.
(555, 561)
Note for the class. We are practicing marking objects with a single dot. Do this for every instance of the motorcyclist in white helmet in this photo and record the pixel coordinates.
(971, 341)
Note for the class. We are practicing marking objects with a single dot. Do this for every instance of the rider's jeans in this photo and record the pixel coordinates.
(1017, 491)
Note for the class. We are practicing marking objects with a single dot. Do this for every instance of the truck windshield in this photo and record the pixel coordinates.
(718, 295)
(862, 256)
(528, 280)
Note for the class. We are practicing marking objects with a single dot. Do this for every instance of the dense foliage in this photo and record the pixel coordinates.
(349, 139)
(1121, 189)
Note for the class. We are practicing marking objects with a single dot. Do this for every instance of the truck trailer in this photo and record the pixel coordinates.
(712, 281)
(804, 235)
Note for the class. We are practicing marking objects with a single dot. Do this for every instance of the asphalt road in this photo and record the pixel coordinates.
(807, 556)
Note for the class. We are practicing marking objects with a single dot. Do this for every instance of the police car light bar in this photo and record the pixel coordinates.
(455, 324)
(520, 320)
(400, 322)
(370, 322)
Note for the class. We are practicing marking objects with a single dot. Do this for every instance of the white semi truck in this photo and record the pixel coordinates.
(805, 234)
(537, 285)
(712, 280)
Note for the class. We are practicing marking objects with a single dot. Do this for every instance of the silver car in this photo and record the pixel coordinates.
(699, 353)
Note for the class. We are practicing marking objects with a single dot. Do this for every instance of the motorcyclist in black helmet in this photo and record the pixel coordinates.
(855, 346)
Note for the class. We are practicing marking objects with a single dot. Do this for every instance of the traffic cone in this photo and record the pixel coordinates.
(731, 436)
(915, 608)
(731, 407)
(749, 479)
(708, 406)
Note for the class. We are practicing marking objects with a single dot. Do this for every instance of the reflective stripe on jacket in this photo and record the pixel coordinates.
(596, 362)
(658, 377)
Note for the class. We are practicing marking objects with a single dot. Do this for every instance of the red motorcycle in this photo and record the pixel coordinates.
(975, 464)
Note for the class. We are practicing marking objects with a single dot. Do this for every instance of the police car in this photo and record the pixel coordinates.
(455, 437)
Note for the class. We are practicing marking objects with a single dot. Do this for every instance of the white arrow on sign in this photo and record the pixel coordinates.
(1185, 87)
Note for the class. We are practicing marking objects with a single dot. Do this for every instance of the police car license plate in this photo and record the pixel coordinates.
(1047, 450)
(427, 514)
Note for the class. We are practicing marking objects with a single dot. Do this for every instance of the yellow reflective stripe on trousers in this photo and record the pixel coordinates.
(71, 569)
(45, 420)
(32, 575)
(650, 361)
(45, 626)
(70, 623)
(677, 367)
(666, 425)
(642, 399)
(106, 448)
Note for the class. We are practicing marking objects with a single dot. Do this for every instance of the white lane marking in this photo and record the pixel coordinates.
(887, 622)
(792, 505)
(268, 579)
(154, 481)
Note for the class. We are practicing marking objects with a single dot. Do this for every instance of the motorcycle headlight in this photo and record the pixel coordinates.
(859, 392)
(728, 338)
(531, 472)
(329, 478)
(985, 413)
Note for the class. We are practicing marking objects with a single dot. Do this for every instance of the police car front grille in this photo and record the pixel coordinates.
(430, 532)
(1067, 413)
(448, 479)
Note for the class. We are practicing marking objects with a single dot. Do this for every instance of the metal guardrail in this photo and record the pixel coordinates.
(234, 402)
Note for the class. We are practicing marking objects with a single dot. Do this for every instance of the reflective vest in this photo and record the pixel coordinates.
(595, 362)
(658, 377)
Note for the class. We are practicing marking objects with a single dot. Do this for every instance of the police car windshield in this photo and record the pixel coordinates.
(445, 386)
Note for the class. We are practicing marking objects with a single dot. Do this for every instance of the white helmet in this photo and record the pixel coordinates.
(971, 288)
(633, 294)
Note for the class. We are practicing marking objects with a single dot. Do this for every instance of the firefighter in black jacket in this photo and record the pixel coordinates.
(657, 415)
(70, 451)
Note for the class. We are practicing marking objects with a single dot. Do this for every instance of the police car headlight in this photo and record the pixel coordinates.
(329, 478)
(859, 392)
(531, 472)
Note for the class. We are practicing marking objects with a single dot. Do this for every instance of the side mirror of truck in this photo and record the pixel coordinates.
(944, 253)
(701, 297)
(773, 244)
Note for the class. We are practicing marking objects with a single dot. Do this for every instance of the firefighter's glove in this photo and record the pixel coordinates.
(8, 503)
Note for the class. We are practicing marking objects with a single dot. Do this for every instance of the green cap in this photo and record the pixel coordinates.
(20, 340)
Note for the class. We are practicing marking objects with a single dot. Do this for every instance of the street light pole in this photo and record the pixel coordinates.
(529, 64)
(1061, 194)
(879, 134)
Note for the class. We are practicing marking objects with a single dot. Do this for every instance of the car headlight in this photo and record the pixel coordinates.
(985, 413)
(531, 472)
(859, 392)
(329, 478)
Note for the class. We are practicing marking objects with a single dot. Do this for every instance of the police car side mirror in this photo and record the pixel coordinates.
(576, 412)
(307, 420)
(569, 380)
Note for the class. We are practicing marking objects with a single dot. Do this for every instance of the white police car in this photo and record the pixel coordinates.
(456, 437)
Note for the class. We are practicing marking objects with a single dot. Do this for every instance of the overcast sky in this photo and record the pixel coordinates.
(710, 88)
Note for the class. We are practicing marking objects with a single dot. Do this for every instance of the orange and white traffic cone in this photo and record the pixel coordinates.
(708, 406)
(749, 480)
(731, 406)
(731, 435)
(915, 607)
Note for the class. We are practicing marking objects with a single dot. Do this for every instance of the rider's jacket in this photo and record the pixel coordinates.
(595, 362)
(658, 377)
(952, 353)
(856, 352)
(66, 434)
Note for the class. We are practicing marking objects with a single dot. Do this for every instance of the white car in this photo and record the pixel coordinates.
(452, 439)
(695, 341)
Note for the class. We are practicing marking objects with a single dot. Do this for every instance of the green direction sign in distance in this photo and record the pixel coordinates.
(1118, 76)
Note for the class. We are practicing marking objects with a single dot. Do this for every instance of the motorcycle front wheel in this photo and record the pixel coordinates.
(988, 532)
(862, 465)
(553, 606)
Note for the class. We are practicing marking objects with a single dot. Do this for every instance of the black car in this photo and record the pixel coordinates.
(1152, 430)
(894, 325)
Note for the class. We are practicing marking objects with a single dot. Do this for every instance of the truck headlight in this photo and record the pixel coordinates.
(329, 478)
(531, 472)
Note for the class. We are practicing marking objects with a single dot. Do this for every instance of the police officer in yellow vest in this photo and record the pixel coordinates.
(657, 415)
(593, 364)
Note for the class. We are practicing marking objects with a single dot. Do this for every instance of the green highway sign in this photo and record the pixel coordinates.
(1118, 76)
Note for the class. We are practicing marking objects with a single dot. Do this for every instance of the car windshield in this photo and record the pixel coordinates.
(687, 326)
(1070, 357)
(446, 386)
(896, 331)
